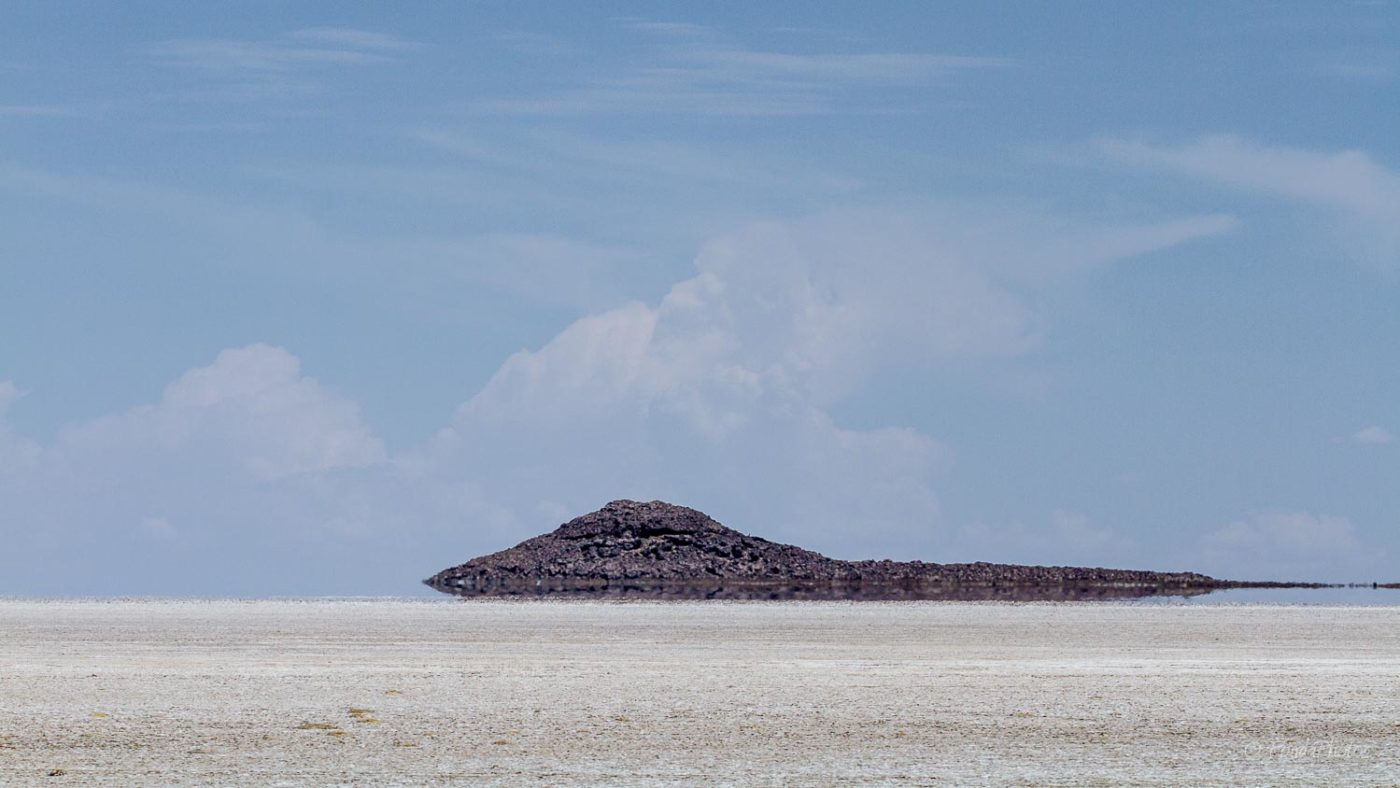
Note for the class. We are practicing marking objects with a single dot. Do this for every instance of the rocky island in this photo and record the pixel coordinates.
(660, 550)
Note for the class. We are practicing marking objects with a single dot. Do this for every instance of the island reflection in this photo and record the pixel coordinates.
(822, 592)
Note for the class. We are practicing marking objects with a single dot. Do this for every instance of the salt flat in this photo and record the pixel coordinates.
(449, 691)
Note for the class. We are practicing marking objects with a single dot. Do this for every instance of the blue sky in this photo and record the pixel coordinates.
(322, 297)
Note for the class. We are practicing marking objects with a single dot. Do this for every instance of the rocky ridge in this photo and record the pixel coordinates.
(657, 549)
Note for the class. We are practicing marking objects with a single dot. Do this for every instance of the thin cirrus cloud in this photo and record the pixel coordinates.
(675, 29)
(298, 49)
(700, 76)
(1362, 194)
(661, 163)
(1370, 67)
(36, 111)
(895, 67)
(350, 37)
(1375, 435)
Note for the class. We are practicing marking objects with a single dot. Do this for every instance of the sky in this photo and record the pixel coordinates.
(321, 298)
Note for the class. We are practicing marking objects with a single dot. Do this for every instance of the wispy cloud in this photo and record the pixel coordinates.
(678, 29)
(1362, 193)
(309, 47)
(456, 143)
(36, 111)
(255, 55)
(742, 64)
(1362, 69)
(652, 161)
(359, 39)
(1374, 434)
(536, 44)
(694, 74)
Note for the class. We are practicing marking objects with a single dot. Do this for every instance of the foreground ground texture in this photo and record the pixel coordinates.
(415, 692)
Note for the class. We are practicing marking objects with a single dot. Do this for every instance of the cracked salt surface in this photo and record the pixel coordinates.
(434, 692)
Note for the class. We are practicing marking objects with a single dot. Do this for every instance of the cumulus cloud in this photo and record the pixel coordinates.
(248, 476)
(1295, 546)
(799, 311)
(716, 394)
(1375, 434)
(244, 459)
(252, 407)
(719, 394)
(1362, 194)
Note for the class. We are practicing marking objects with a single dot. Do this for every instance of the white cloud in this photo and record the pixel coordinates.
(253, 468)
(1360, 66)
(700, 76)
(287, 423)
(718, 394)
(1362, 194)
(536, 44)
(824, 301)
(357, 39)
(668, 402)
(310, 47)
(808, 308)
(158, 528)
(737, 177)
(36, 111)
(256, 55)
(1374, 434)
(247, 476)
(676, 29)
(671, 162)
(251, 409)
(749, 65)
(1291, 546)
(1030, 245)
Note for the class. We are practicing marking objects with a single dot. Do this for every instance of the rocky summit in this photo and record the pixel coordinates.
(660, 550)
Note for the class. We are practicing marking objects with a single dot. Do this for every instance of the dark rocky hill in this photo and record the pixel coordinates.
(661, 550)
